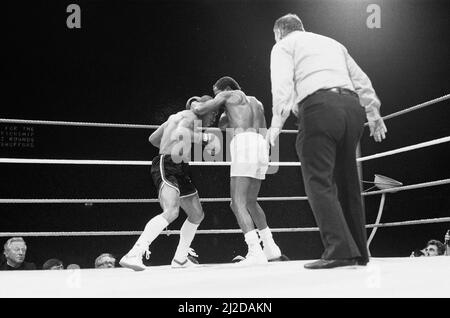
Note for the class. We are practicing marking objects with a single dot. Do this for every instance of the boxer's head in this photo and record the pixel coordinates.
(190, 100)
(202, 99)
(225, 83)
(207, 119)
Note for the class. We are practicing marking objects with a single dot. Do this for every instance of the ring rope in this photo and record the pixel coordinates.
(378, 219)
(76, 123)
(293, 198)
(407, 148)
(218, 231)
(77, 162)
(213, 163)
(140, 126)
(409, 187)
(137, 200)
(413, 108)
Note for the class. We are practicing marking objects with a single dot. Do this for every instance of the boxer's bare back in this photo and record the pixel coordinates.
(179, 127)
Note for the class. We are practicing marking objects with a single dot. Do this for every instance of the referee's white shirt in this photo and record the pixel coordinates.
(303, 62)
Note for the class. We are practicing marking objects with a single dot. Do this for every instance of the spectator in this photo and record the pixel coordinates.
(433, 248)
(447, 243)
(105, 260)
(15, 251)
(53, 264)
(417, 253)
(237, 259)
(2, 260)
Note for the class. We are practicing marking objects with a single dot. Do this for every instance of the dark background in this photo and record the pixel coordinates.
(138, 62)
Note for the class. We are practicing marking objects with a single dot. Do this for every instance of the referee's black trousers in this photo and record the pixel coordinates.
(330, 126)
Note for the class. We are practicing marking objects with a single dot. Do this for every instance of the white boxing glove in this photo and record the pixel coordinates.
(213, 145)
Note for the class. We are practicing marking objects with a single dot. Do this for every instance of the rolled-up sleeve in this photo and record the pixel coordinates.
(363, 86)
(283, 87)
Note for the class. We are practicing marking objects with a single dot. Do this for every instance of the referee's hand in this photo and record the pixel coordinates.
(272, 135)
(377, 129)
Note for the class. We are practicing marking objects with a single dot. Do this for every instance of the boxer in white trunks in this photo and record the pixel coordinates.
(249, 163)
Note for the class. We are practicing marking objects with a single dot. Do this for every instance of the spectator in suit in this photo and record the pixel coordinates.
(14, 252)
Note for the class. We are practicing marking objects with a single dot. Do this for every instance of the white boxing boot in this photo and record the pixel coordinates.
(133, 259)
(272, 251)
(190, 261)
(255, 255)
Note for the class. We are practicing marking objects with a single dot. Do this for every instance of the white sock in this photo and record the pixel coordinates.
(266, 237)
(187, 234)
(252, 239)
(153, 228)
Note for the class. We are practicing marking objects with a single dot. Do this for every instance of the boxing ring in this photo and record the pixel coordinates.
(383, 277)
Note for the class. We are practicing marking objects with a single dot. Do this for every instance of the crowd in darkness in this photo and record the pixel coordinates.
(15, 251)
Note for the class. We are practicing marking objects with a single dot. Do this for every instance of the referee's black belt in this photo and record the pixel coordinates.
(338, 90)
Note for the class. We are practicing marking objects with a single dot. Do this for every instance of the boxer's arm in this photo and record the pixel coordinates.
(256, 101)
(155, 138)
(223, 121)
(201, 109)
(197, 134)
(191, 129)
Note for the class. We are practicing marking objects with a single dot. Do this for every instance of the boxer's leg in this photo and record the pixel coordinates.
(169, 201)
(271, 249)
(239, 187)
(193, 208)
(253, 207)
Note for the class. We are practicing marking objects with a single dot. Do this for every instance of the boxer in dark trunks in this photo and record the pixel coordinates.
(170, 173)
